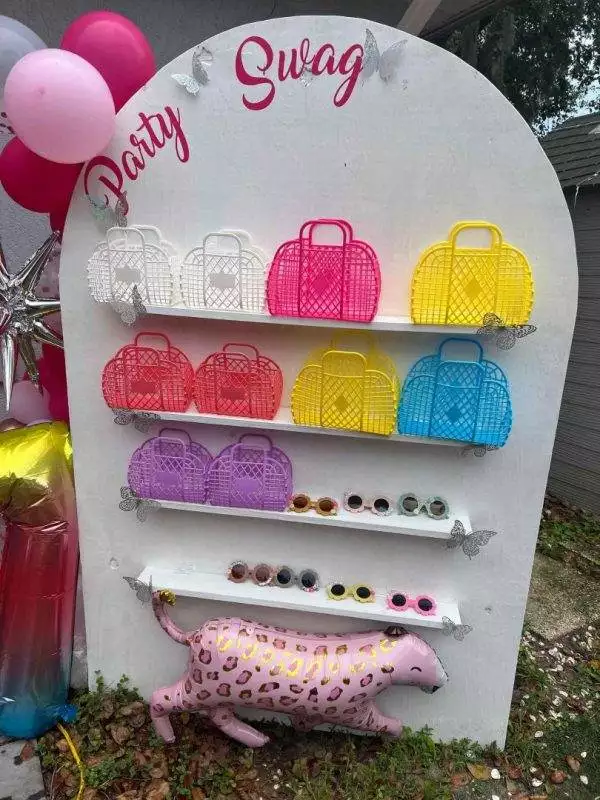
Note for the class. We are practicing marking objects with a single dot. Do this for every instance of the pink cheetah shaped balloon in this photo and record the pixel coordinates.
(315, 678)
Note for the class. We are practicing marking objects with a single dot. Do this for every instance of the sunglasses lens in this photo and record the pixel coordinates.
(326, 505)
(262, 574)
(337, 590)
(399, 600)
(363, 592)
(410, 504)
(354, 501)
(381, 505)
(437, 508)
(238, 572)
(308, 580)
(284, 576)
(300, 502)
(425, 604)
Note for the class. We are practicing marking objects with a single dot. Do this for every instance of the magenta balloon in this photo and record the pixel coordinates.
(34, 182)
(59, 106)
(116, 47)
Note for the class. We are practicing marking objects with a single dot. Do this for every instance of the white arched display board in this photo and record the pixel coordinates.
(403, 154)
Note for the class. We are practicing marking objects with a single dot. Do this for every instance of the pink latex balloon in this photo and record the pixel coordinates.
(34, 182)
(27, 404)
(59, 106)
(116, 47)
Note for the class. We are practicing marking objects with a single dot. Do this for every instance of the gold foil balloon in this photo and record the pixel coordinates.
(38, 577)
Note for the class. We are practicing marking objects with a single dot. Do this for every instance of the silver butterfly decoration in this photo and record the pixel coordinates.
(130, 312)
(386, 63)
(457, 631)
(478, 450)
(142, 420)
(201, 59)
(143, 591)
(131, 501)
(505, 336)
(471, 543)
(112, 218)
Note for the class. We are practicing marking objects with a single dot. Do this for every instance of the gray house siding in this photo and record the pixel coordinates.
(575, 469)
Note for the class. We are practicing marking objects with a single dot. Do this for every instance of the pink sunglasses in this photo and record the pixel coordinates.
(423, 604)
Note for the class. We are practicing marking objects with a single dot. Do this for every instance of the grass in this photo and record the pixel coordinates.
(570, 534)
(555, 714)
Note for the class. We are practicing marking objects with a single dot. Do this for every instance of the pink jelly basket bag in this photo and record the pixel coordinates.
(252, 473)
(158, 378)
(325, 281)
(170, 466)
(238, 381)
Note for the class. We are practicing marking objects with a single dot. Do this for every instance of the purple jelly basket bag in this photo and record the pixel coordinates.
(170, 466)
(250, 474)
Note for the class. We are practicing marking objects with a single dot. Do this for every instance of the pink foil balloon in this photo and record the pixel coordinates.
(315, 678)
(59, 106)
(27, 404)
(116, 47)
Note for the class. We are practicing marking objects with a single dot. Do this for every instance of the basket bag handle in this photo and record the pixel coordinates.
(308, 229)
(231, 239)
(150, 234)
(337, 342)
(494, 231)
(180, 436)
(174, 436)
(164, 340)
(261, 442)
(239, 347)
(475, 344)
(132, 238)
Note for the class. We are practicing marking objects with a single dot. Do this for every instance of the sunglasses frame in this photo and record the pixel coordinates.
(313, 505)
(314, 574)
(292, 581)
(232, 566)
(262, 582)
(423, 505)
(351, 592)
(369, 505)
(412, 603)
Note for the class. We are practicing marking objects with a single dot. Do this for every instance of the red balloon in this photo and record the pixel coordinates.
(116, 47)
(34, 182)
(58, 217)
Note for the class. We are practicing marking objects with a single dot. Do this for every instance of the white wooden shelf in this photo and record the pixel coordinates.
(380, 323)
(283, 422)
(208, 586)
(420, 525)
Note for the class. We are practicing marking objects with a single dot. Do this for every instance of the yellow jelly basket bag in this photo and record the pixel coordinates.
(356, 389)
(454, 285)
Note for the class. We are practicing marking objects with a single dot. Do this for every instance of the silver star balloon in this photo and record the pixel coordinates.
(21, 316)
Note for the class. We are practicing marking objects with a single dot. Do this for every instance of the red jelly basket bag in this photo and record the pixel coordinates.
(149, 378)
(325, 281)
(237, 383)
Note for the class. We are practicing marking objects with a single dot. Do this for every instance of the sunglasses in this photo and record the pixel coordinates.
(325, 506)
(359, 592)
(423, 604)
(435, 507)
(380, 505)
(266, 575)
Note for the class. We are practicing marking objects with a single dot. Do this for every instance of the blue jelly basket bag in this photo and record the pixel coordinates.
(449, 399)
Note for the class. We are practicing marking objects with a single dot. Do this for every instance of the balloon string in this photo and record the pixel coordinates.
(76, 758)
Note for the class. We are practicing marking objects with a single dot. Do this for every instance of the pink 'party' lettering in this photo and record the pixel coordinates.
(291, 65)
(152, 134)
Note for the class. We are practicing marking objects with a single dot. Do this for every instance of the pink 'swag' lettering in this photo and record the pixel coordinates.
(152, 134)
(292, 65)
